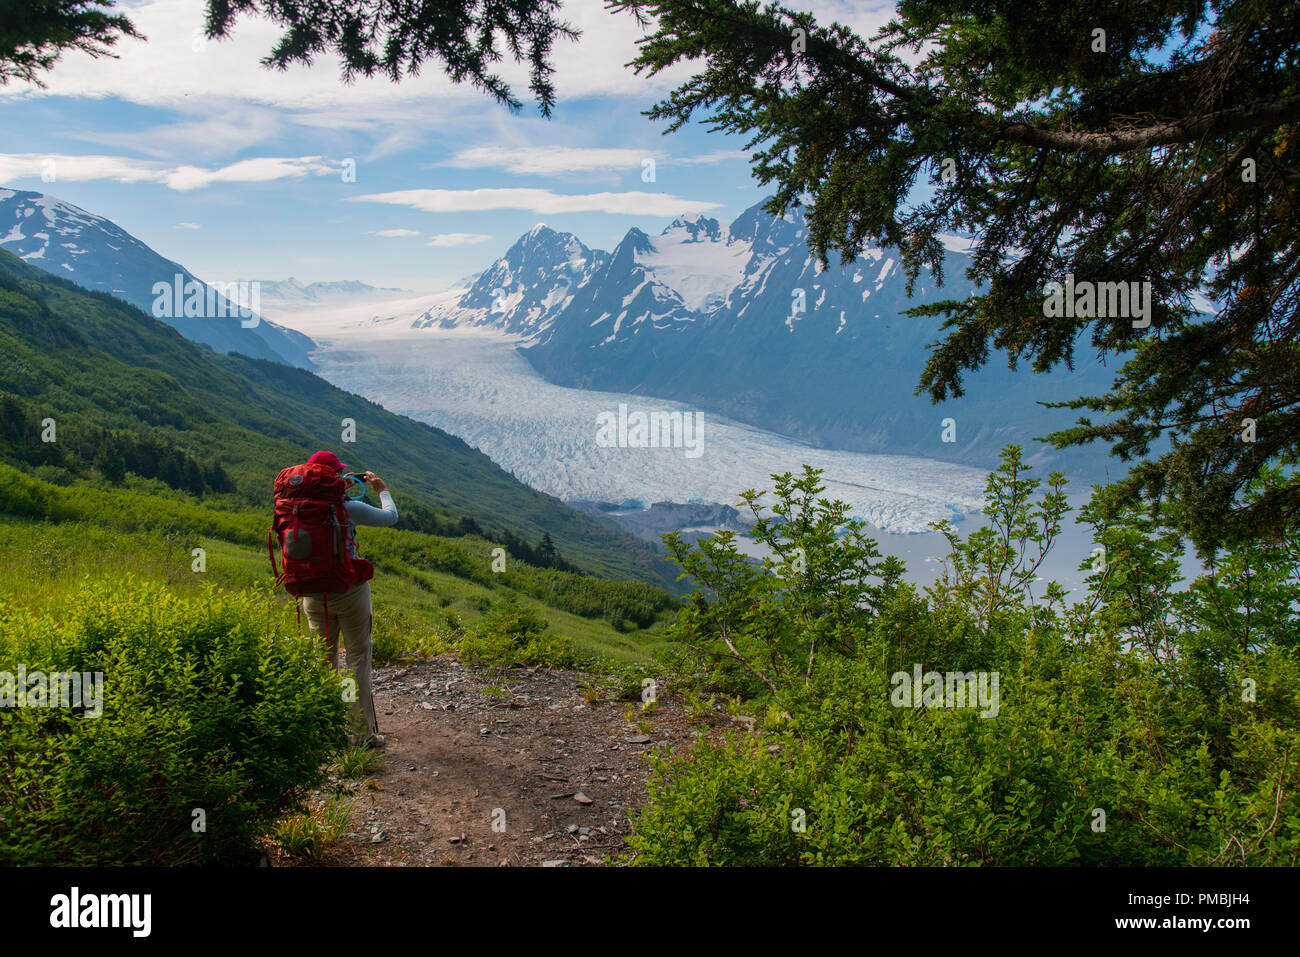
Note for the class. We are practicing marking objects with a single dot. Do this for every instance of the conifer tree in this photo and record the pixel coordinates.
(1080, 142)
(395, 39)
(35, 33)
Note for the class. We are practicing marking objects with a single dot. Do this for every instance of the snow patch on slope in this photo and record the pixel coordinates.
(696, 271)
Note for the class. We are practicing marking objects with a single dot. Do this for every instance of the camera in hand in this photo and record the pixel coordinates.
(354, 486)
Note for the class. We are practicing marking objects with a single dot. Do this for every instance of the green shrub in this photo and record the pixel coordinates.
(1145, 725)
(399, 634)
(628, 680)
(513, 635)
(25, 496)
(210, 730)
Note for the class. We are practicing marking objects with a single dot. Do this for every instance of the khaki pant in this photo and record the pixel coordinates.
(349, 614)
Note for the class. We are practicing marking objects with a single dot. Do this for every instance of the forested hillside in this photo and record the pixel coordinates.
(115, 381)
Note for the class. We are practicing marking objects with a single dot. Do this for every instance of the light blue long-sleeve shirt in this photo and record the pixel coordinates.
(363, 514)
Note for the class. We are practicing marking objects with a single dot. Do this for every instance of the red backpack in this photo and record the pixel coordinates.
(312, 527)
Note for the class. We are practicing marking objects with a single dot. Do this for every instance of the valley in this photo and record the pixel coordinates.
(475, 384)
(698, 377)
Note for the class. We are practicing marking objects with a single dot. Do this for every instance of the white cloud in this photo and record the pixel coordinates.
(538, 201)
(52, 168)
(208, 129)
(228, 101)
(172, 66)
(556, 160)
(394, 233)
(865, 17)
(548, 160)
(708, 159)
(187, 225)
(261, 169)
(459, 239)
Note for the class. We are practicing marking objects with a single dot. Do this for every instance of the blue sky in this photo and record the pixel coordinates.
(236, 171)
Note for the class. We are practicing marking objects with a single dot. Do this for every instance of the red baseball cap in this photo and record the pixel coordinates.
(327, 459)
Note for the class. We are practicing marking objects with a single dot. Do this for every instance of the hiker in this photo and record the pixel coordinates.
(333, 582)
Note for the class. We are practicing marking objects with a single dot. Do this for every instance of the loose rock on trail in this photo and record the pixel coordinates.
(501, 767)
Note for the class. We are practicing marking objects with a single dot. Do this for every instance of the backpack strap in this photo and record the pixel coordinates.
(270, 552)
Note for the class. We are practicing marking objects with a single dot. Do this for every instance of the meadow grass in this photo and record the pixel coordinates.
(418, 612)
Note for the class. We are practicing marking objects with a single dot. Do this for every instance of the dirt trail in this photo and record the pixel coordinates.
(511, 767)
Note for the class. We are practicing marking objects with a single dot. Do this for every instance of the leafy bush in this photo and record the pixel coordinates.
(761, 625)
(1145, 725)
(627, 679)
(513, 635)
(202, 711)
(399, 634)
(25, 496)
(622, 604)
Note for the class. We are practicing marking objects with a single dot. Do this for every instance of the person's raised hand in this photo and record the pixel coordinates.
(375, 482)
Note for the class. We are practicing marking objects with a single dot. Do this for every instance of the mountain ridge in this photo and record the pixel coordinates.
(742, 320)
(98, 254)
(93, 362)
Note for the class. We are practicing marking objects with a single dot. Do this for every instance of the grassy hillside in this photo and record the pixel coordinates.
(428, 589)
(96, 365)
(206, 695)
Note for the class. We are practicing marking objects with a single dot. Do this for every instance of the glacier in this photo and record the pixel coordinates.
(473, 383)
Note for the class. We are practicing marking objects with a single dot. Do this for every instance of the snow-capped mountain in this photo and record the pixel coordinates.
(98, 254)
(740, 319)
(526, 289)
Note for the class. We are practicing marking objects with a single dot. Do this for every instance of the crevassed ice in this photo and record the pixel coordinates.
(475, 385)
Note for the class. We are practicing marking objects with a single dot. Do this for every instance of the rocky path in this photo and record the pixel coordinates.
(512, 767)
